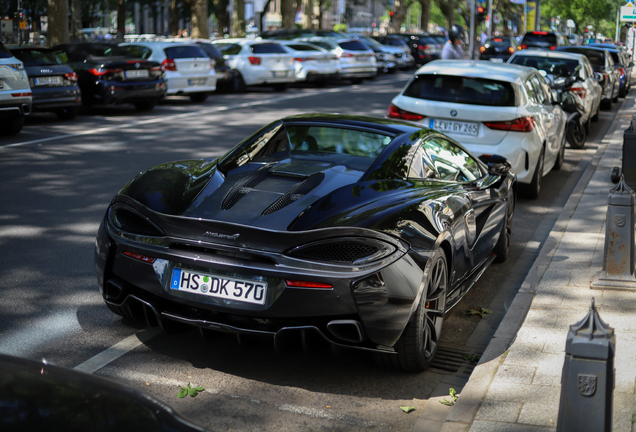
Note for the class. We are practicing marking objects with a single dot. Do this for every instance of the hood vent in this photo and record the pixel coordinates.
(295, 193)
(244, 187)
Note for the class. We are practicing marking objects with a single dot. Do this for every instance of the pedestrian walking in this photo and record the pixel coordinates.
(453, 47)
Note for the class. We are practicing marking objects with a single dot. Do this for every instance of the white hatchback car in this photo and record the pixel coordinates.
(15, 93)
(189, 71)
(491, 109)
(313, 64)
(357, 60)
(259, 62)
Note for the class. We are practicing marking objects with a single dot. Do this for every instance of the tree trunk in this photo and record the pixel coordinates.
(399, 13)
(174, 18)
(76, 20)
(426, 14)
(222, 16)
(262, 26)
(448, 9)
(199, 19)
(121, 18)
(58, 22)
(238, 19)
(288, 13)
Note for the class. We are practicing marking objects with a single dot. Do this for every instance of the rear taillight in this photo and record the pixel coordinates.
(552, 47)
(254, 60)
(345, 54)
(540, 33)
(135, 61)
(579, 90)
(140, 257)
(25, 94)
(522, 124)
(100, 72)
(398, 113)
(622, 71)
(71, 76)
(425, 49)
(511, 50)
(307, 284)
(169, 65)
(523, 46)
(482, 49)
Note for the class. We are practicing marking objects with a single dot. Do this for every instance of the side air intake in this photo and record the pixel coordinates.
(244, 187)
(295, 193)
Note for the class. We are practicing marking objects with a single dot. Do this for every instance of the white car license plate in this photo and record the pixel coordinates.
(247, 291)
(197, 81)
(451, 126)
(496, 60)
(142, 73)
(280, 74)
(362, 58)
(54, 80)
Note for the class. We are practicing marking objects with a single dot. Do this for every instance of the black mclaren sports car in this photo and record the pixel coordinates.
(358, 231)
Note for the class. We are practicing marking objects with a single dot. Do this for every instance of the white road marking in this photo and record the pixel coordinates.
(117, 350)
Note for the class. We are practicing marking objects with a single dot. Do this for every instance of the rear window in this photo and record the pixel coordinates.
(108, 51)
(498, 42)
(615, 57)
(268, 48)
(181, 52)
(465, 90)
(542, 38)
(301, 47)
(210, 50)
(552, 66)
(36, 57)
(228, 48)
(353, 46)
(597, 58)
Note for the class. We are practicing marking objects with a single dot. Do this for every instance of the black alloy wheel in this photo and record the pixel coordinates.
(67, 113)
(502, 248)
(13, 126)
(238, 84)
(577, 135)
(419, 342)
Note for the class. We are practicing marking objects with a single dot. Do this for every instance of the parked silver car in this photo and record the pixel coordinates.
(357, 60)
(15, 93)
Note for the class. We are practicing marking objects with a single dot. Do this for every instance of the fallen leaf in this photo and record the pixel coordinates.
(407, 409)
(328, 406)
(147, 383)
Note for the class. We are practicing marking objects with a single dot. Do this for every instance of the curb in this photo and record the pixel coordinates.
(462, 414)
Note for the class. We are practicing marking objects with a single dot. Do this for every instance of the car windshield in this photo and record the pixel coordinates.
(552, 66)
(310, 142)
(596, 57)
(465, 90)
(37, 57)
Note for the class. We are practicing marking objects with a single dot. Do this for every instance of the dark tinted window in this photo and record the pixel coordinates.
(140, 51)
(321, 44)
(303, 47)
(107, 51)
(36, 57)
(228, 49)
(471, 91)
(354, 46)
(210, 50)
(542, 38)
(181, 52)
(596, 57)
(616, 57)
(498, 42)
(4, 52)
(268, 48)
(552, 66)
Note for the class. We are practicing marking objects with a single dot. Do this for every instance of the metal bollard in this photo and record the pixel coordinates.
(629, 154)
(587, 382)
(618, 258)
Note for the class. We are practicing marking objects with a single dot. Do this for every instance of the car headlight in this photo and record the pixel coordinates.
(344, 251)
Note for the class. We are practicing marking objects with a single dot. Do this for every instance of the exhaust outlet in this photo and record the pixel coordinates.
(346, 330)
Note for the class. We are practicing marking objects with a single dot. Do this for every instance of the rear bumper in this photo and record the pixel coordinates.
(19, 107)
(113, 93)
(187, 84)
(46, 99)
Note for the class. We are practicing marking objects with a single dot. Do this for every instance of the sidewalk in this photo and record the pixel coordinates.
(516, 385)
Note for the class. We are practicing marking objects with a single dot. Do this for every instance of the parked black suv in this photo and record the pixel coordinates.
(543, 40)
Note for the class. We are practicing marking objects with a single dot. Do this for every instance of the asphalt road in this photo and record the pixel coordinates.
(56, 180)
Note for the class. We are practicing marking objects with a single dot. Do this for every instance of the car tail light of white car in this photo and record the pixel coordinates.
(521, 124)
(254, 60)
(579, 90)
(345, 54)
(398, 113)
(169, 65)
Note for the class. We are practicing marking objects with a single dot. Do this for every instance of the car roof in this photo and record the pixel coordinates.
(388, 125)
(161, 44)
(478, 69)
(245, 41)
(550, 54)
(608, 47)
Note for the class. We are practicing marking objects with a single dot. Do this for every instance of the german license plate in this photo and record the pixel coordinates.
(197, 81)
(496, 60)
(52, 80)
(362, 57)
(141, 73)
(280, 74)
(451, 126)
(247, 291)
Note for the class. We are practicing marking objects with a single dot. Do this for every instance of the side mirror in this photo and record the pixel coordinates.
(598, 76)
(556, 97)
(498, 165)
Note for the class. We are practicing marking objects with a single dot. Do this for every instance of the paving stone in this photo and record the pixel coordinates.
(545, 297)
(547, 379)
(491, 426)
(542, 361)
(522, 393)
(515, 374)
(540, 414)
(538, 317)
(499, 411)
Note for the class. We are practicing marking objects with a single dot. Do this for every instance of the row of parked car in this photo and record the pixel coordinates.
(63, 78)
(520, 109)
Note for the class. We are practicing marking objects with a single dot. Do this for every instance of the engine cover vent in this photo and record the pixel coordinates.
(243, 187)
(295, 193)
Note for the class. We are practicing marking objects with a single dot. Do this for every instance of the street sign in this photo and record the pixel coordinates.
(628, 14)
(22, 25)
